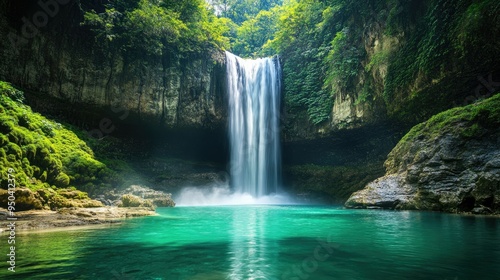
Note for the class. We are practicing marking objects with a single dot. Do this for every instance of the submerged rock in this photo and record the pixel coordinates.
(449, 163)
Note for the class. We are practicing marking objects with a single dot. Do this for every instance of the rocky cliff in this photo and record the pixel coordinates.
(449, 163)
(54, 54)
(402, 61)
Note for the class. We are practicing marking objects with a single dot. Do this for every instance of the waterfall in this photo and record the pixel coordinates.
(254, 107)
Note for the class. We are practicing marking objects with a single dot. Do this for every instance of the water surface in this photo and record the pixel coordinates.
(267, 242)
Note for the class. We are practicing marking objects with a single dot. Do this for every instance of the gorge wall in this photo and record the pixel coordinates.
(62, 59)
(388, 61)
(366, 66)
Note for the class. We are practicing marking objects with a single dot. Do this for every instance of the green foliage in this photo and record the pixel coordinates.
(319, 43)
(434, 43)
(378, 59)
(402, 14)
(303, 43)
(444, 41)
(158, 28)
(364, 96)
(241, 10)
(151, 27)
(255, 33)
(44, 153)
(62, 180)
(433, 51)
(344, 59)
(11, 92)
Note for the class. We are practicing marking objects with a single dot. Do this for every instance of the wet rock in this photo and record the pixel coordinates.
(158, 198)
(387, 192)
(481, 210)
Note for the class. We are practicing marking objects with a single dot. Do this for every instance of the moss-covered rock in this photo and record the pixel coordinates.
(45, 158)
(130, 200)
(61, 180)
(61, 201)
(48, 198)
(449, 163)
(158, 198)
(43, 152)
(24, 199)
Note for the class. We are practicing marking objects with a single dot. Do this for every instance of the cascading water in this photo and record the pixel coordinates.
(254, 106)
(255, 160)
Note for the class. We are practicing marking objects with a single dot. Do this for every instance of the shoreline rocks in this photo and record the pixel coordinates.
(69, 217)
(136, 196)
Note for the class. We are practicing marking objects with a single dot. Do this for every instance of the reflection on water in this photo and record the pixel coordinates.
(267, 242)
(250, 252)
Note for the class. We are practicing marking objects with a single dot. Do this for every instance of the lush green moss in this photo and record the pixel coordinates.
(61, 180)
(42, 152)
(467, 122)
(456, 120)
(11, 92)
(26, 199)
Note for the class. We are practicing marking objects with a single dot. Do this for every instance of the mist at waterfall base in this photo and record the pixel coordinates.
(222, 194)
(253, 88)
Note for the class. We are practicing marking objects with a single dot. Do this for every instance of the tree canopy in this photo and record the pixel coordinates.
(155, 27)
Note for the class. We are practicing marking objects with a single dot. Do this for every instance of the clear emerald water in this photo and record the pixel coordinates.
(267, 242)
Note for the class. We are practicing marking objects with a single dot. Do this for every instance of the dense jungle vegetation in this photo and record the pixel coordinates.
(323, 44)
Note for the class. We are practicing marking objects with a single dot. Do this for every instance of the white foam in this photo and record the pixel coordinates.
(222, 195)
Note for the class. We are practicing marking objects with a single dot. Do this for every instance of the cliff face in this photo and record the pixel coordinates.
(403, 62)
(449, 163)
(61, 60)
(358, 106)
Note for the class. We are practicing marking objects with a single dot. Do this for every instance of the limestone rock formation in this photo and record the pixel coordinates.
(449, 163)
